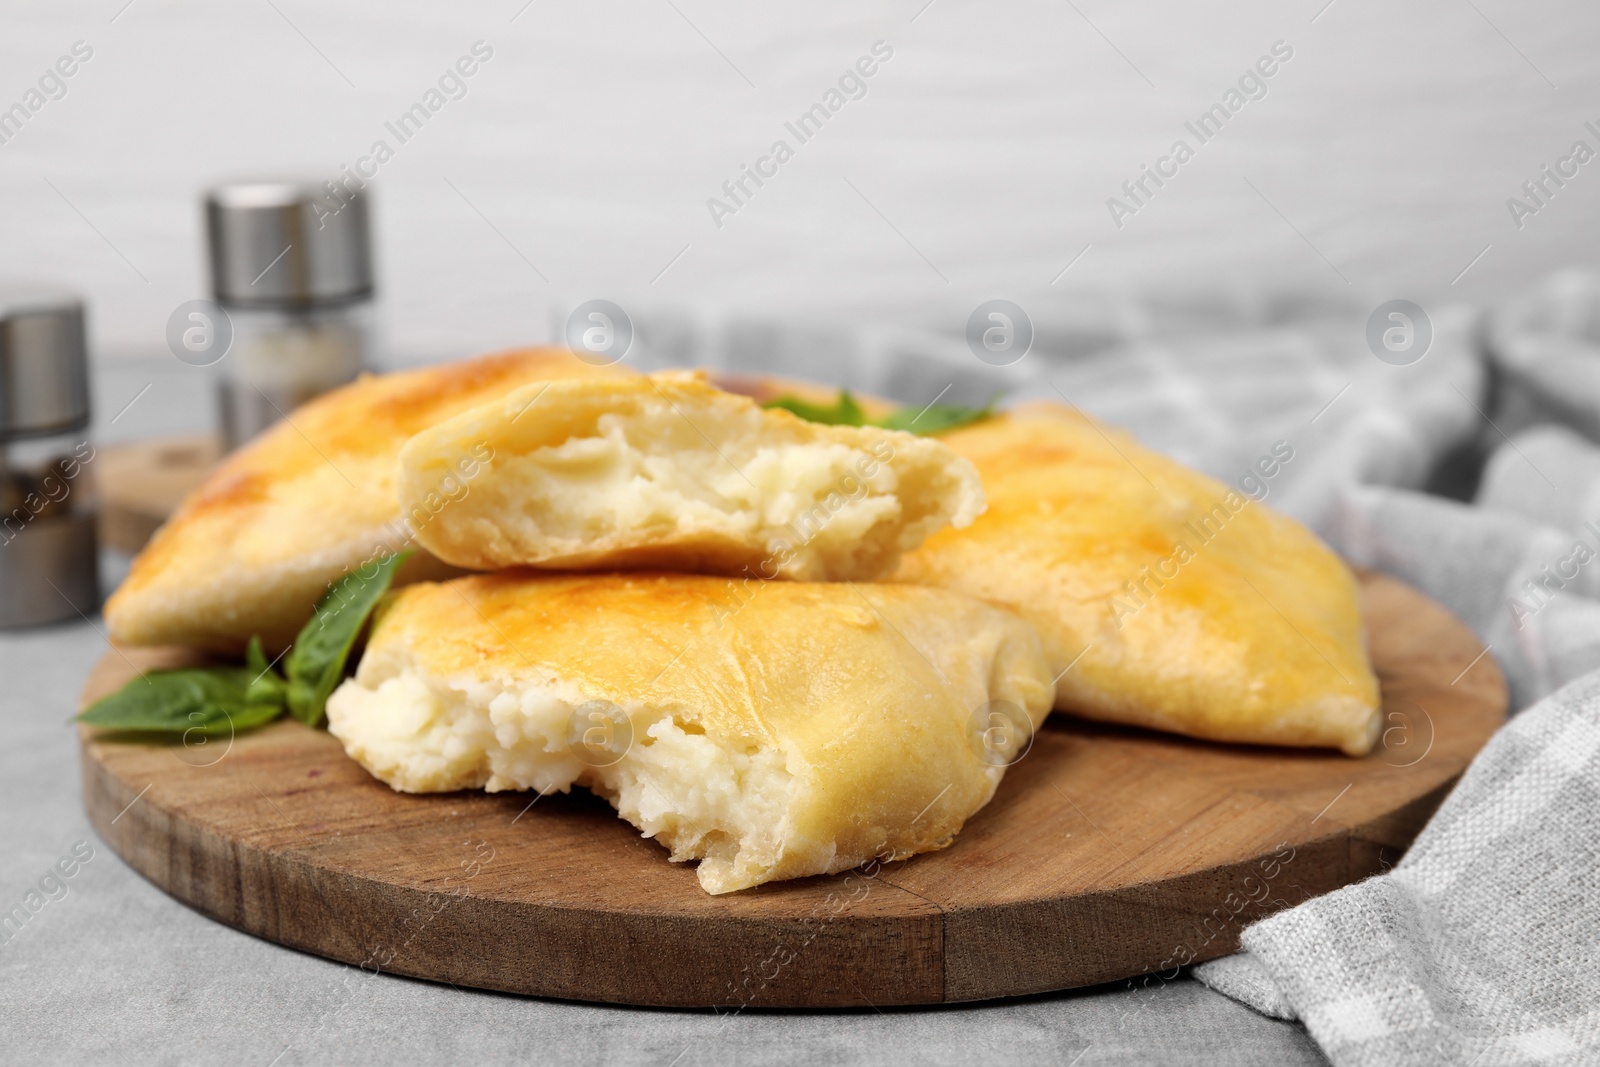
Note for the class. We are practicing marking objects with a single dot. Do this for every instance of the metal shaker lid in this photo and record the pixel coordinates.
(287, 245)
(44, 367)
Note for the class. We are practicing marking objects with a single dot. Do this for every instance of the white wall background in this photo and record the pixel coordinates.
(980, 160)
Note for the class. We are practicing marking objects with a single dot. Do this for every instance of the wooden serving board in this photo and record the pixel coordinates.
(1106, 853)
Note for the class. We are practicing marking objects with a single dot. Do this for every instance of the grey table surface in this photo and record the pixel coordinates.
(117, 972)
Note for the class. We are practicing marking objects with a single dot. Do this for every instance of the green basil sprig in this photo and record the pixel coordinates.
(219, 700)
(204, 700)
(847, 411)
(316, 662)
(936, 418)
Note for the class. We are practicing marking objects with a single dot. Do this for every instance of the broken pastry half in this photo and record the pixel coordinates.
(767, 729)
(667, 471)
(1164, 598)
(254, 547)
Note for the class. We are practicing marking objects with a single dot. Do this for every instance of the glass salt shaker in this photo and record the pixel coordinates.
(292, 267)
(49, 566)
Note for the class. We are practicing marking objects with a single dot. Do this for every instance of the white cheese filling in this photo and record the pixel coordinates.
(725, 804)
(820, 509)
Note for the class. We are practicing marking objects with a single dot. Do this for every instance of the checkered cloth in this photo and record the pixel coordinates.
(1483, 945)
(1545, 347)
(1211, 383)
(1480, 947)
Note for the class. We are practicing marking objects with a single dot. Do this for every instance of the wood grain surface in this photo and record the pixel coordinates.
(142, 483)
(1107, 853)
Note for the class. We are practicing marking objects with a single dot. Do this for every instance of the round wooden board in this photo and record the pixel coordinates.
(1106, 853)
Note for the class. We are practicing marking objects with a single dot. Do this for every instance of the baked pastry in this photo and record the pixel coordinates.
(767, 729)
(1164, 598)
(253, 548)
(666, 471)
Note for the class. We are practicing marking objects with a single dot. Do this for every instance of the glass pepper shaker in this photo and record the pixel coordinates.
(49, 566)
(292, 267)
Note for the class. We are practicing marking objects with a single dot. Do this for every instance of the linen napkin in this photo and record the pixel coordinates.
(1482, 946)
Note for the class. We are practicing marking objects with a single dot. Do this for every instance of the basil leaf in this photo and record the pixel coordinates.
(936, 418)
(316, 663)
(266, 685)
(207, 700)
(220, 700)
(844, 412)
(252, 715)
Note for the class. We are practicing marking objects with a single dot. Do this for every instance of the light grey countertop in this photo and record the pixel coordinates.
(117, 972)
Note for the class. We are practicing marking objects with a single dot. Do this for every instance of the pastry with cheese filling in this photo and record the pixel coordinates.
(666, 471)
(768, 730)
(1164, 598)
(253, 548)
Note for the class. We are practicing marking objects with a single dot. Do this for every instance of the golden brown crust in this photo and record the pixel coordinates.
(255, 546)
(1233, 625)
